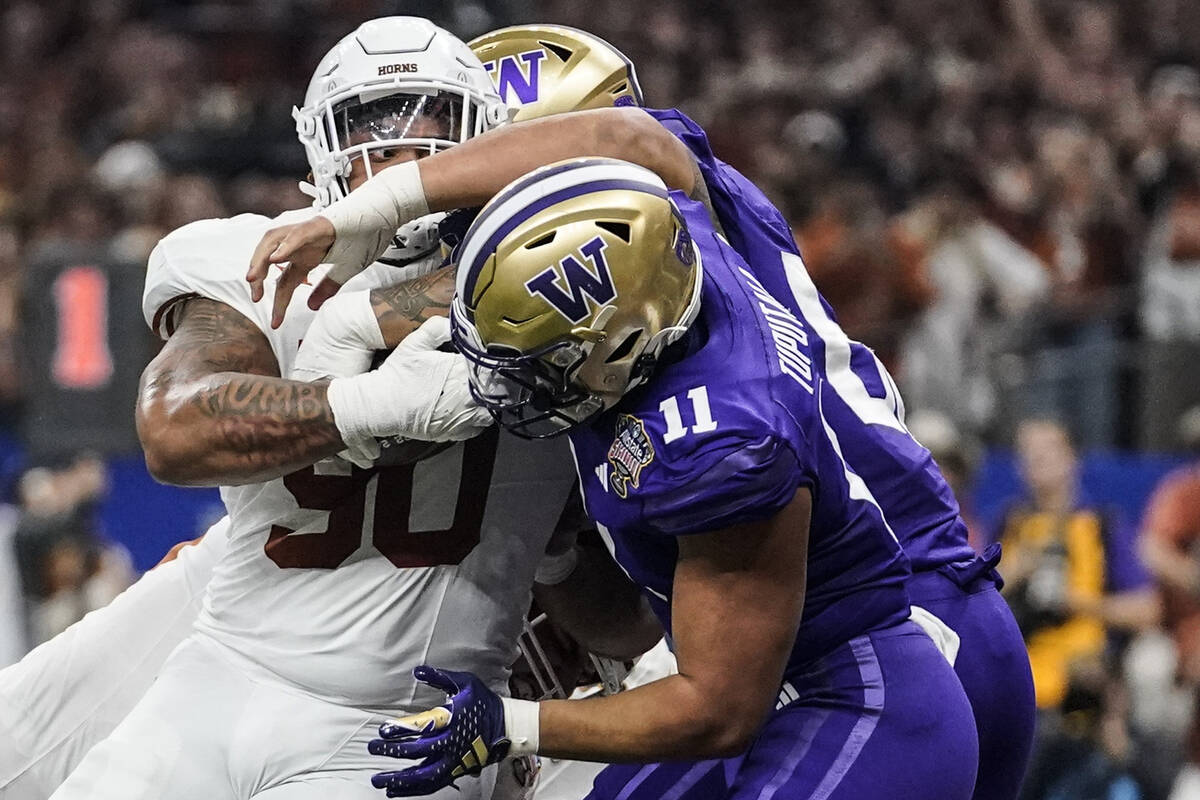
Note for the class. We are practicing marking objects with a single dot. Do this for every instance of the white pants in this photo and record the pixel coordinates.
(217, 727)
(560, 779)
(72, 691)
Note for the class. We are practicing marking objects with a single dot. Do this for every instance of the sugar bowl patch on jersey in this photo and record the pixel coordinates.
(630, 453)
(460, 738)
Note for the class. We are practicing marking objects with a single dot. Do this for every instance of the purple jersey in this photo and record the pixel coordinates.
(726, 433)
(859, 399)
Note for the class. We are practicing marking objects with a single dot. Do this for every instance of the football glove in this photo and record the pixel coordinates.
(418, 392)
(456, 739)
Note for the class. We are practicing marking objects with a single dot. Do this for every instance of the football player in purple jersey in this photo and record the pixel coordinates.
(594, 301)
(549, 69)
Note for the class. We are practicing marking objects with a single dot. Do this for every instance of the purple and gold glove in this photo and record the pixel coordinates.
(456, 739)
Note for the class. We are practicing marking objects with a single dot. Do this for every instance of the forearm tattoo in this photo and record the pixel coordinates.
(220, 377)
(269, 420)
(402, 308)
(272, 398)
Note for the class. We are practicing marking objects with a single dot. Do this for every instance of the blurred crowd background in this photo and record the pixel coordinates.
(1002, 197)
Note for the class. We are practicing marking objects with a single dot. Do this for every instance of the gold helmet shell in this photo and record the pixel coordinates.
(571, 282)
(541, 70)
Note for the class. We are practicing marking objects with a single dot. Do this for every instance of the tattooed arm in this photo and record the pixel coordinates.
(402, 308)
(212, 409)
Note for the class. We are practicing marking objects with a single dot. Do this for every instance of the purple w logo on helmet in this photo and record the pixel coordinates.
(581, 282)
(508, 73)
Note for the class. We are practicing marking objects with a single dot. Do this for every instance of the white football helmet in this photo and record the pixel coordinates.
(395, 82)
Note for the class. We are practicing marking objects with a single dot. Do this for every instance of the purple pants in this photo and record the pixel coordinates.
(993, 666)
(881, 718)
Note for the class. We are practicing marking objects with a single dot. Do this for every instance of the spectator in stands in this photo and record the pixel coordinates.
(1088, 259)
(1169, 170)
(10, 285)
(1070, 575)
(1087, 752)
(987, 285)
(874, 274)
(67, 568)
(1170, 547)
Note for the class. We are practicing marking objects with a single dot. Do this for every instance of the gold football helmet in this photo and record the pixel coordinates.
(551, 69)
(571, 282)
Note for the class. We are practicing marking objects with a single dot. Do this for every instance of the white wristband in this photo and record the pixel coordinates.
(554, 569)
(349, 400)
(522, 723)
(365, 220)
(418, 392)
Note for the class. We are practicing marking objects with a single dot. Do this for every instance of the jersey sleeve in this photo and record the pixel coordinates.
(742, 481)
(749, 218)
(204, 259)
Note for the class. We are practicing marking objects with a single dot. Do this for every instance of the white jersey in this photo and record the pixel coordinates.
(340, 580)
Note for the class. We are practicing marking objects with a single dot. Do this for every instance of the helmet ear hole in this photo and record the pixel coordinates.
(618, 229)
(542, 242)
(563, 53)
(623, 349)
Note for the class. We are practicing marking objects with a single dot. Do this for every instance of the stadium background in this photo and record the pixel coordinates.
(1002, 197)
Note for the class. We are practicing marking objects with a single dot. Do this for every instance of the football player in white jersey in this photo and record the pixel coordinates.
(592, 78)
(337, 578)
(70, 693)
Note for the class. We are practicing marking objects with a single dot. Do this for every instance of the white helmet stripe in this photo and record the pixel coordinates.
(518, 200)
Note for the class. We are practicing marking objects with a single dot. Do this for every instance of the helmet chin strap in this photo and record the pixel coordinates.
(595, 332)
(500, 114)
(308, 190)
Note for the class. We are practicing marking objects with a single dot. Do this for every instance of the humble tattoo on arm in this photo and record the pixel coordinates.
(213, 410)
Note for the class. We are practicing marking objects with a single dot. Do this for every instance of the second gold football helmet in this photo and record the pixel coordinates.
(551, 69)
(571, 282)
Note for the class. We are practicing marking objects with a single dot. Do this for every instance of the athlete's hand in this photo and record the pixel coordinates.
(418, 392)
(299, 248)
(414, 249)
(458, 738)
(340, 342)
